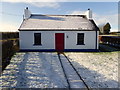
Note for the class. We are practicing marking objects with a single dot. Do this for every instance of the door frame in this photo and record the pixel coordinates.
(63, 42)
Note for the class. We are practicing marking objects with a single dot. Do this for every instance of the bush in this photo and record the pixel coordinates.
(9, 35)
(10, 44)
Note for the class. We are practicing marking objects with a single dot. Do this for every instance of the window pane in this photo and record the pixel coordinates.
(37, 38)
(80, 38)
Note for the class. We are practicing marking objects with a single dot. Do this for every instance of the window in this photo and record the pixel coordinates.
(37, 38)
(80, 38)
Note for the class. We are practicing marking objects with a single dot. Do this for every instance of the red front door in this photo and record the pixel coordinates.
(59, 41)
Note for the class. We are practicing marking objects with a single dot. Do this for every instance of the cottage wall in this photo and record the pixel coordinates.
(48, 40)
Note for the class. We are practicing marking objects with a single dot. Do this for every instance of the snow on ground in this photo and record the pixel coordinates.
(43, 70)
(34, 70)
(99, 70)
(73, 78)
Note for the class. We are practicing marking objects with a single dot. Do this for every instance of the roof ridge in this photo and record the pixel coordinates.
(56, 15)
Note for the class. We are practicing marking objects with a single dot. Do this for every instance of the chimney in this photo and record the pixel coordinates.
(27, 13)
(89, 14)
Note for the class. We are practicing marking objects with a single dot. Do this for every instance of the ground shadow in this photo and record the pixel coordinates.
(108, 48)
(15, 80)
(94, 79)
(29, 74)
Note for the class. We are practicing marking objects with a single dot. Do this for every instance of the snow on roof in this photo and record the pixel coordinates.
(57, 22)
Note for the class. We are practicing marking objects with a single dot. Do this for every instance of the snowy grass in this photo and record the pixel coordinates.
(43, 70)
(33, 70)
(99, 70)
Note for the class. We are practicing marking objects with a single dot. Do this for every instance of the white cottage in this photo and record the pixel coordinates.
(58, 32)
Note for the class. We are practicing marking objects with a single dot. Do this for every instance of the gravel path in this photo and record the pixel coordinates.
(99, 70)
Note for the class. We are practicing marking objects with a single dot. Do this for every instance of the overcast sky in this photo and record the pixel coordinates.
(11, 11)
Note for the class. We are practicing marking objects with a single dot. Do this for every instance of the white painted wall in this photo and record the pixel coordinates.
(48, 39)
(89, 40)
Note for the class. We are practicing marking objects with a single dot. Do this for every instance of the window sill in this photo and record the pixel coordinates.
(37, 45)
(80, 44)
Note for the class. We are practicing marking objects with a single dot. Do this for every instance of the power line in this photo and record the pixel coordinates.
(10, 14)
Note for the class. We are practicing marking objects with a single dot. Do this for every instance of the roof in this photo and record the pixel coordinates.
(58, 22)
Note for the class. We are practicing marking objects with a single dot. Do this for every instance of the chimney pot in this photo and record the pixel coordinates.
(88, 8)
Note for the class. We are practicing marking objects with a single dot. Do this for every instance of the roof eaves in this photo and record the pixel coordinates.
(21, 24)
(56, 30)
(96, 27)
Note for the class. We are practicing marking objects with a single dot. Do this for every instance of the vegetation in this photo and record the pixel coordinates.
(106, 29)
(10, 44)
(10, 35)
(108, 48)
